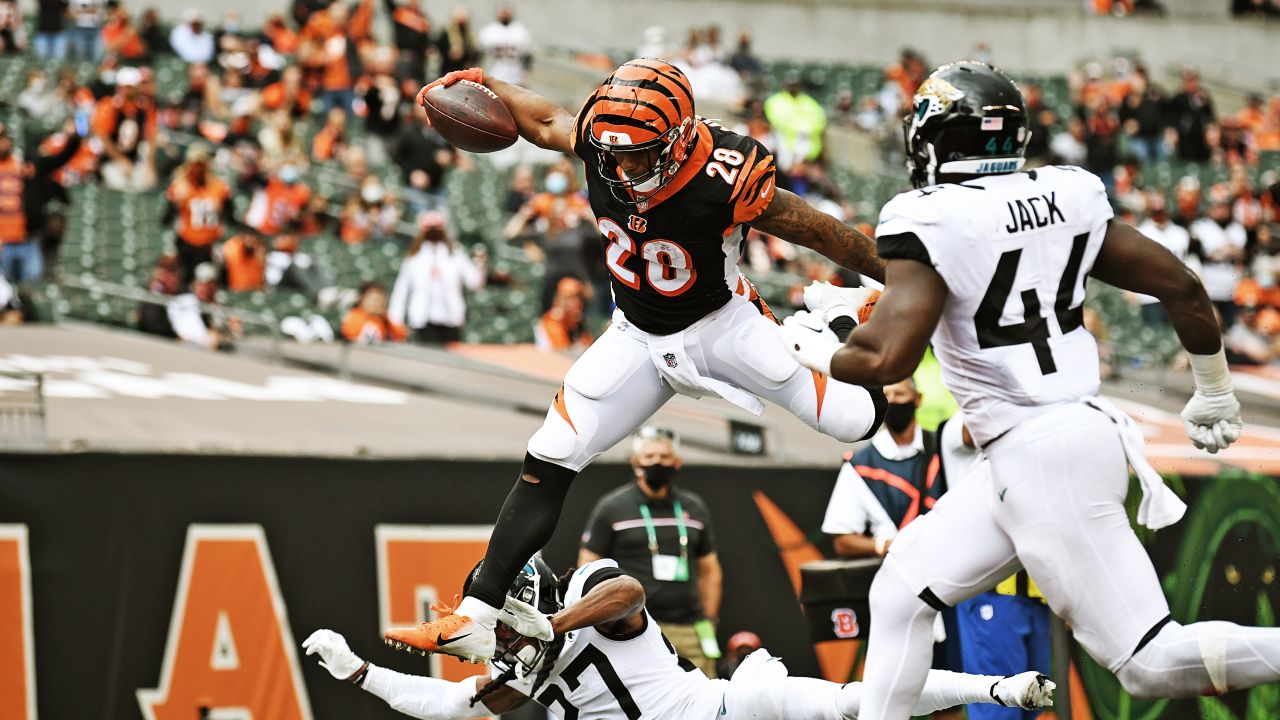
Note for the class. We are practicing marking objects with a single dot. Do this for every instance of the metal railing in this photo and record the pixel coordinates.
(219, 313)
(22, 415)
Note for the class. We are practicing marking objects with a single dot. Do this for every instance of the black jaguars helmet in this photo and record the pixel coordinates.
(968, 118)
(535, 584)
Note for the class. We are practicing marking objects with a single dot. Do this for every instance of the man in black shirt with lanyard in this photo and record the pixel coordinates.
(662, 536)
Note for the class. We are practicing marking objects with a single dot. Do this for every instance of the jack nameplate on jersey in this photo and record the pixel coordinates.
(635, 223)
(1025, 214)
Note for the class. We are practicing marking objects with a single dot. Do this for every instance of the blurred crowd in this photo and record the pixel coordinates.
(263, 140)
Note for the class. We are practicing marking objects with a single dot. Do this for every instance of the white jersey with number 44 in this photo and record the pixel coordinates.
(1014, 251)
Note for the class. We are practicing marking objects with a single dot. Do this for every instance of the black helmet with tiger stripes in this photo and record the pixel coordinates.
(645, 104)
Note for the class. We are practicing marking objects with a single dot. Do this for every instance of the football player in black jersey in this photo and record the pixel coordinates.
(671, 193)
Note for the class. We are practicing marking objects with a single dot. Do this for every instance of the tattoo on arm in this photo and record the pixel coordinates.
(791, 218)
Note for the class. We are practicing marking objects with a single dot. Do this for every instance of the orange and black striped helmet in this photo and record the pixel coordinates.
(644, 104)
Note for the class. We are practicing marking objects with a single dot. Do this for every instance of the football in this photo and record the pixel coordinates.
(471, 117)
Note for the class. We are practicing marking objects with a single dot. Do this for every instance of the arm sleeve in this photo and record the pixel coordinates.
(755, 186)
(598, 537)
(45, 164)
(424, 697)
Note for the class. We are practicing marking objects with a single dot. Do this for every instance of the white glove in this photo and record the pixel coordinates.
(334, 654)
(811, 347)
(1212, 421)
(526, 619)
(829, 302)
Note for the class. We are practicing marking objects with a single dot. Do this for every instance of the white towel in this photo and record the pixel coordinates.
(668, 354)
(1160, 506)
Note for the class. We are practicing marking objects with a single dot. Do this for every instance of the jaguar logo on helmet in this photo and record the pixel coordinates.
(969, 119)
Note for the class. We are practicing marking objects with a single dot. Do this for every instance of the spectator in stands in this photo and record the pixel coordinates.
(367, 322)
(153, 317)
(424, 159)
(191, 40)
(661, 534)
(86, 29)
(281, 142)
(42, 99)
(330, 140)
(1254, 337)
(1069, 148)
(288, 94)
(12, 37)
(125, 124)
(799, 122)
(51, 30)
(199, 201)
(508, 47)
(1191, 115)
(121, 38)
(1143, 116)
(244, 261)
(327, 49)
(1103, 142)
(521, 190)
(384, 104)
(1041, 121)
(712, 80)
(371, 214)
(456, 43)
(151, 31)
(192, 323)
(428, 294)
(25, 188)
(563, 326)
(744, 60)
(1175, 238)
(279, 203)
(277, 34)
(411, 33)
(555, 225)
(1186, 196)
(1222, 243)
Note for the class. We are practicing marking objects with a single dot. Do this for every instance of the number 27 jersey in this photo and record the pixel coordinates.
(1014, 251)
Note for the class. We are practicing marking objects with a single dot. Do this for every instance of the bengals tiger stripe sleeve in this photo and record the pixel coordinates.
(755, 187)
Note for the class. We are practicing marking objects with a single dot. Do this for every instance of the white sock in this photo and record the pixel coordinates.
(479, 611)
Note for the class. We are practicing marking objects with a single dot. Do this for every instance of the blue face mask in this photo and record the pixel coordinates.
(557, 183)
(289, 174)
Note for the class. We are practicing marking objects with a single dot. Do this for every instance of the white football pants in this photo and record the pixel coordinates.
(761, 689)
(614, 387)
(1050, 496)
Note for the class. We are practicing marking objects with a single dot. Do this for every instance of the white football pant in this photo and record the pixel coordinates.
(614, 387)
(1050, 498)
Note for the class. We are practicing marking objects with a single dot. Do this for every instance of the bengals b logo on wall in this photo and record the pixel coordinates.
(229, 646)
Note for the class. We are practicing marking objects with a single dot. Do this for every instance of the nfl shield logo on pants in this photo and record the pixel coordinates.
(671, 359)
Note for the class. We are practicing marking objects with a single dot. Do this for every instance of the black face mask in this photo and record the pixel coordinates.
(899, 415)
(658, 477)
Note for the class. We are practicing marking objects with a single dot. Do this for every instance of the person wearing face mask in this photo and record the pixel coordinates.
(882, 488)
(428, 294)
(661, 534)
(508, 47)
(555, 225)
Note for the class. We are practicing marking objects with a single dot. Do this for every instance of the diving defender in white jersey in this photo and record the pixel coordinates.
(991, 263)
(608, 660)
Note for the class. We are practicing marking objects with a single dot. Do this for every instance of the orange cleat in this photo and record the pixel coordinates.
(450, 634)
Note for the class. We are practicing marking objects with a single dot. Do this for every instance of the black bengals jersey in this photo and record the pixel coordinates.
(672, 254)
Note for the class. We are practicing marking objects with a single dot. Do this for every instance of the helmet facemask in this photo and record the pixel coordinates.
(674, 144)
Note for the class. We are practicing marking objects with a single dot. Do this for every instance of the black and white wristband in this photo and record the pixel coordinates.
(358, 677)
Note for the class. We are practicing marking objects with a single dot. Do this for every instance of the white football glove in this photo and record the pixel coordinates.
(829, 302)
(526, 619)
(810, 341)
(1212, 421)
(334, 654)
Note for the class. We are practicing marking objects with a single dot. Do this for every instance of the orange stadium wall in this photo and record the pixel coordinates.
(145, 586)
